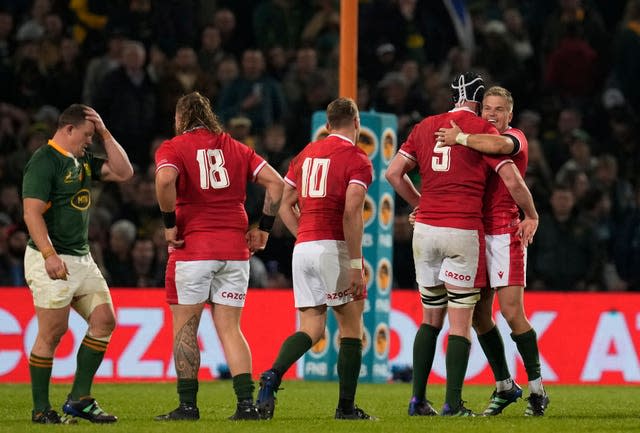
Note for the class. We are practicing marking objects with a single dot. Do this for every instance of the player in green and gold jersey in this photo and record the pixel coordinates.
(58, 267)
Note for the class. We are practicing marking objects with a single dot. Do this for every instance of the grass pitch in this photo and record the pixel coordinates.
(308, 407)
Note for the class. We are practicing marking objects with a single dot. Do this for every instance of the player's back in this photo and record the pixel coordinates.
(500, 210)
(321, 173)
(453, 177)
(213, 171)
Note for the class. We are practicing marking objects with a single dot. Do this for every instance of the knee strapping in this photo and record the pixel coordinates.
(463, 298)
(433, 297)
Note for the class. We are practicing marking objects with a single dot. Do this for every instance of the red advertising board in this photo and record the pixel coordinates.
(583, 337)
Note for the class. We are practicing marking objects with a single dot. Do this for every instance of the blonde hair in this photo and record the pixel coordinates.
(341, 112)
(502, 92)
(194, 110)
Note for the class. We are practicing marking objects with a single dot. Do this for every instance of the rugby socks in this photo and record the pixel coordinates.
(89, 358)
(188, 391)
(40, 370)
(457, 358)
(291, 350)
(243, 386)
(424, 349)
(527, 344)
(493, 347)
(349, 361)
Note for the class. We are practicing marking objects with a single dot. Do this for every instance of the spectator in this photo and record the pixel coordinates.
(626, 246)
(117, 259)
(146, 270)
(626, 64)
(12, 260)
(253, 94)
(127, 97)
(581, 159)
(565, 253)
(100, 67)
(210, 53)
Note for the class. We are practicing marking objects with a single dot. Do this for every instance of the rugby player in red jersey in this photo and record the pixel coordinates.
(322, 206)
(201, 181)
(448, 239)
(506, 258)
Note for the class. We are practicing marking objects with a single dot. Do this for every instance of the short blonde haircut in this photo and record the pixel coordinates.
(502, 92)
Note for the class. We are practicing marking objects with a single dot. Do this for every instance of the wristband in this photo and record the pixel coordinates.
(462, 138)
(169, 219)
(355, 263)
(266, 223)
(48, 252)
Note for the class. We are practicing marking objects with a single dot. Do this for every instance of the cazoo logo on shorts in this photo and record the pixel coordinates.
(233, 295)
(457, 276)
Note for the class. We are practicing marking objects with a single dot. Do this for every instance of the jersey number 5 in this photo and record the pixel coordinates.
(212, 171)
(314, 177)
(440, 162)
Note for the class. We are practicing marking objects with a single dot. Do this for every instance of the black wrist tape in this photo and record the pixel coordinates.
(169, 219)
(266, 223)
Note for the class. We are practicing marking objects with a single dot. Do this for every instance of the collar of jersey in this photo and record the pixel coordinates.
(463, 109)
(341, 136)
(193, 129)
(57, 147)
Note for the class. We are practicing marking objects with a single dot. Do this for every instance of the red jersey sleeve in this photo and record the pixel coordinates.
(166, 156)
(363, 171)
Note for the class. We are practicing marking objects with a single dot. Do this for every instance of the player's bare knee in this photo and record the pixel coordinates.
(53, 336)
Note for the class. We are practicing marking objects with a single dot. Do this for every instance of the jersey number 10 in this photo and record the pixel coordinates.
(212, 171)
(314, 177)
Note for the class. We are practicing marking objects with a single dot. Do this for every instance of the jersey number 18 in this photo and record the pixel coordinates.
(212, 171)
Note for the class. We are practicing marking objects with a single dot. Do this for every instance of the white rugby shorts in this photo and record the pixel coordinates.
(320, 273)
(193, 282)
(448, 255)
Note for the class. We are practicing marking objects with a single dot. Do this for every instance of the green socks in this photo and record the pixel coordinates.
(493, 348)
(89, 358)
(424, 349)
(349, 362)
(527, 344)
(243, 386)
(291, 350)
(40, 370)
(457, 359)
(188, 391)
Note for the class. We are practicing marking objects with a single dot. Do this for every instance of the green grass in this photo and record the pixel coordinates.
(308, 407)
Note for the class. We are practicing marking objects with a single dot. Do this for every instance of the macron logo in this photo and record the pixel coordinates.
(500, 274)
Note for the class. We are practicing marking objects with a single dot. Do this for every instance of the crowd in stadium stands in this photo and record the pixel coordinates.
(573, 67)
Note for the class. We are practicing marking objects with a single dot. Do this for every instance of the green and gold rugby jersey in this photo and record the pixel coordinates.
(64, 183)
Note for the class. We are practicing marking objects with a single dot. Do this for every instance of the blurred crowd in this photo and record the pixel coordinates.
(573, 67)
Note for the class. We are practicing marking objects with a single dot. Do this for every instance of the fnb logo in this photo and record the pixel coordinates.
(233, 295)
(457, 276)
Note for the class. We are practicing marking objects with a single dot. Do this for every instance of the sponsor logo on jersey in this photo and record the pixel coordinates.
(81, 200)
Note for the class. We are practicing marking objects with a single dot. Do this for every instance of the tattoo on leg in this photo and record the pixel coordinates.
(186, 351)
